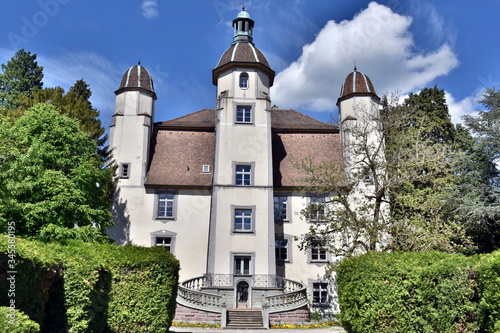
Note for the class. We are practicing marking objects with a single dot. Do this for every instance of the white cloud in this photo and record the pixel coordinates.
(467, 106)
(380, 43)
(149, 9)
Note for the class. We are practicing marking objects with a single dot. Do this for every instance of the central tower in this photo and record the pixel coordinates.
(241, 241)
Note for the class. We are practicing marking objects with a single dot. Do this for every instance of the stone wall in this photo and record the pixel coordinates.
(185, 314)
(290, 317)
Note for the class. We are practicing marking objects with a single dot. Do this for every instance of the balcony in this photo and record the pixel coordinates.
(219, 292)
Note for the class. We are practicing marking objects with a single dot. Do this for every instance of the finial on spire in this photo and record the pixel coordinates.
(355, 68)
(139, 62)
(243, 7)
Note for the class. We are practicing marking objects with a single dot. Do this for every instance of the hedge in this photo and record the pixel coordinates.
(86, 287)
(420, 292)
(20, 323)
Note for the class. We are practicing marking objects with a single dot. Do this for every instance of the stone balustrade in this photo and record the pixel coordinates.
(194, 292)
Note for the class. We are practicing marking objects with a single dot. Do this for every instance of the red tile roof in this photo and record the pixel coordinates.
(289, 149)
(178, 158)
(183, 145)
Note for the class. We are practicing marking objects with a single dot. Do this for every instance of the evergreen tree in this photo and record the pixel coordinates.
(75, 104)
(475, 200)
(21, 76)
(422, 147)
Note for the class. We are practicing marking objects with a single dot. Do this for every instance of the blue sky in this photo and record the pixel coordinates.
(402, 45)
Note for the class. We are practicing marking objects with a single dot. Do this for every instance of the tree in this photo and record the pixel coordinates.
(52, 177)
(75, 104)
(21, 76)
(397, 159)
(475, 200)
(356, 206)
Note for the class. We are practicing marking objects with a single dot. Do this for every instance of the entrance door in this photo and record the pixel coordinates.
(242, 290)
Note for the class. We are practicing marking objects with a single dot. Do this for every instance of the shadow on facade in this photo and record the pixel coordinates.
(120, 232)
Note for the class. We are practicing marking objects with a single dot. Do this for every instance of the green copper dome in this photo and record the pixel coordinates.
(243, 13)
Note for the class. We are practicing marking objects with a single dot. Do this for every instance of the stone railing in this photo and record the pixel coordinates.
(189, 295)
(287, 301)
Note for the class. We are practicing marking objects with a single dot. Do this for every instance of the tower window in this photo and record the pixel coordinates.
(244, 80)
(243, 220)
(124, 170)
(243, 175)
(242, 265)
(244, 114)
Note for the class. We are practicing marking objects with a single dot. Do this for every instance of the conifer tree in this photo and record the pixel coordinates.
(21, 76)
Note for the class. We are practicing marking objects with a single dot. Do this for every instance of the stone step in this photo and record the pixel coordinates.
(245, 319)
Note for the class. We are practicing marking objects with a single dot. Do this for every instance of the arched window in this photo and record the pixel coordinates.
(244, 80)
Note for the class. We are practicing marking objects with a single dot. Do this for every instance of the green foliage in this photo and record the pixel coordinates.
(21, 77)
(21, 323)
(51, 174)
(422, 152)
(83, 287)
(420, 292)
(489, 271)
(74, 104)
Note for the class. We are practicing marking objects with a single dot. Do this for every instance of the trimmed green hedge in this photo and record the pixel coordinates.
(87, 287)
(420, 292)
(14, 321)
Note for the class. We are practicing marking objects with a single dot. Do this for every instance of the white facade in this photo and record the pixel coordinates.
(214, 187)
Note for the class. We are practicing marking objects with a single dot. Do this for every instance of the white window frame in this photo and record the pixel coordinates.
(316, 254)
(236, 214)
(319, 214)
(159, 199)
(205, 168)
(164, 234)
(321, 288)
(246, 117)
(233, 258)
(245, 174)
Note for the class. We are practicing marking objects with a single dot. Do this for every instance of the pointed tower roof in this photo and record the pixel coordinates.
(137, 78)
(357, 84)
(242, 52)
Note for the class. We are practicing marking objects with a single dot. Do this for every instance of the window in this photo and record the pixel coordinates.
(206, 168)
(244, 80)
(281, 247)
(165, 239)
(242, 265)
(320, 293)
(165, 242)
(318, 252)
(280, 208)
(317, 208)
(243, 219)
(244, 114)
(166, 205)
(243, 175)
(124, 170)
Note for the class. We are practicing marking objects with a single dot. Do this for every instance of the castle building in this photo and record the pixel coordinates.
(219, 188)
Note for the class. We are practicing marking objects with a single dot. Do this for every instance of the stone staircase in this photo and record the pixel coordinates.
(244, 318)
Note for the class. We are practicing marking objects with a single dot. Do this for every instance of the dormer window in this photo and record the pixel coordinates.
(244, 80)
